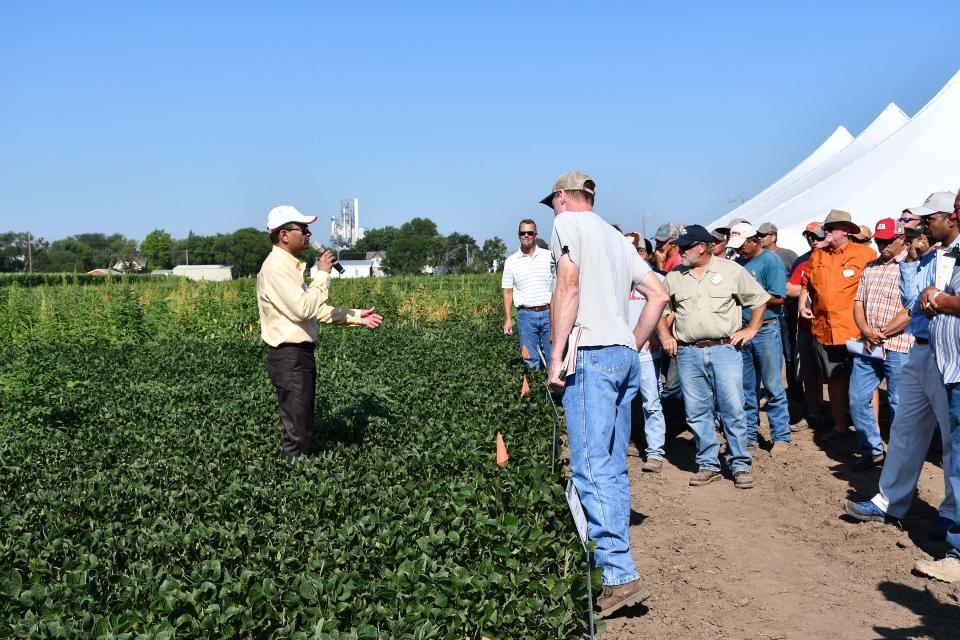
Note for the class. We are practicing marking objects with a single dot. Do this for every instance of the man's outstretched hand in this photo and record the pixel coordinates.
(369, 319)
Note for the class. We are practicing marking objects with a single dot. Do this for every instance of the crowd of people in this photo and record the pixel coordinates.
(706, 323)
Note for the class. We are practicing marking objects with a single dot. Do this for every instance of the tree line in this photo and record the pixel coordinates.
(408, 249)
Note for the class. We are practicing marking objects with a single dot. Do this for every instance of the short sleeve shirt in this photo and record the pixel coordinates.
(832, 277)
(710, 308)
(609, 268)
(796, 277)
(530, 277)
(769, 271)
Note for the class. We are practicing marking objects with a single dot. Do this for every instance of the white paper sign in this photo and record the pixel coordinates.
(576, 510)
(943, 269)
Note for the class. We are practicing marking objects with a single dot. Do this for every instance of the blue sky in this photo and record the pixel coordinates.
(125, 117)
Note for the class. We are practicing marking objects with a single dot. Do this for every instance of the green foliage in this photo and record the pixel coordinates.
(157, 248)
(14, 250)
(377, 239)
(142, 495)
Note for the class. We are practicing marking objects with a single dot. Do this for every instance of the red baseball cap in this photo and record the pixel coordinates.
(888, 229)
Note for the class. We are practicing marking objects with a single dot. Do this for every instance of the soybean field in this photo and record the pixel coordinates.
(142, 494)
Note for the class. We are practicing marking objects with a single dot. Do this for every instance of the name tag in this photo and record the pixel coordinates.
(848, 273)
(717, 278)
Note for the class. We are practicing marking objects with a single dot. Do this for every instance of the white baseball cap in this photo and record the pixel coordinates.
(939, 202)
(284, 214)
(740, 233)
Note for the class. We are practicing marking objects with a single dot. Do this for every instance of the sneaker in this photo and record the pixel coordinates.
(743, 480)
(868, 512)
(632, 451)
(621, 595)
(938, 530)
(799, 425)
(868, 462)
(780, 451)
(652, 465)
(704, 476)
(945, 570)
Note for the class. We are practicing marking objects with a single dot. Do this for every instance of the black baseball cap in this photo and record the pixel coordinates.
(692, 234)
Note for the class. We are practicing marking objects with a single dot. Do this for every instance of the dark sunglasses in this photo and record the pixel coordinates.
(527, 233)
(302, 228)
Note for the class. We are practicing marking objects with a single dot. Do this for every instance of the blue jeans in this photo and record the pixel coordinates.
(654, 426)
(534, 330)
(763, 362)
(864, 380)
(953, 398)
(596, 402)
(711, 375)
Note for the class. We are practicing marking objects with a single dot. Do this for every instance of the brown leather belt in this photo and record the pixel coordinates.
(705, 343)
(296, 345)
(542, 307)
(770, 321)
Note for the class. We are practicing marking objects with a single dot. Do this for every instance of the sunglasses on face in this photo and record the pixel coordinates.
(527, 233)
(302, 228)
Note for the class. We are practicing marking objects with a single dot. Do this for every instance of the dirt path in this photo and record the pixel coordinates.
(779, 561)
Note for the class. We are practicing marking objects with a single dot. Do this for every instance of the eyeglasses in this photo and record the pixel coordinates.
(302, 228)
(693, 246)
(527, 233)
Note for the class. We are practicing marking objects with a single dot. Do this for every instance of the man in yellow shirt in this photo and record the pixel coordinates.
(289, 312)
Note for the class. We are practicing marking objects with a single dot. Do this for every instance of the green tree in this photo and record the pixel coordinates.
(418, 244)
(14, 252)
(494, 250)
(377, 239)
(244, 250)
(460, 253)
(157, 248)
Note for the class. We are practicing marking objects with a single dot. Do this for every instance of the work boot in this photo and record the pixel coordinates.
(780, 451)
(945, 570)
(743, 480)
(652, 465)
(618, 596)
(868, 462)
(704, 476)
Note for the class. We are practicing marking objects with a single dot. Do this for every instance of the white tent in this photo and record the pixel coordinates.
(878, 178)
(833, 145)
(884, 125)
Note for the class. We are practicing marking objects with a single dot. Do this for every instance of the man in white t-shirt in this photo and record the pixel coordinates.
(528, 285)
(596, 270)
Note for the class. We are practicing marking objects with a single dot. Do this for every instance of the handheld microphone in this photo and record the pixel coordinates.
(336, 265)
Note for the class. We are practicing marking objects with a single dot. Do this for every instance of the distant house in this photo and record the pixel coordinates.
(162, 272)
(351, 269)
(208, 272)
(377, 258)
(136, 264)
(104, 272)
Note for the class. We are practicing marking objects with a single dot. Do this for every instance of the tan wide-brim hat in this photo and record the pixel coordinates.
(841, 219)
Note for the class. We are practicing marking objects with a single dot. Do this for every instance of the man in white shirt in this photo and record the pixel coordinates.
(528, 284)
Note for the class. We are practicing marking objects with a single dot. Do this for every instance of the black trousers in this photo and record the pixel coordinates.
(293, 371)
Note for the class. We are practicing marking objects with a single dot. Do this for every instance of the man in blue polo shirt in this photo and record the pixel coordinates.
(763, 356)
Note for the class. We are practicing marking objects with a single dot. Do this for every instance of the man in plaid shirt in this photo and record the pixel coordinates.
(881, 318)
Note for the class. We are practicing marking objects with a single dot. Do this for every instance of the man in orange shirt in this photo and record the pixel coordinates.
(832, 277)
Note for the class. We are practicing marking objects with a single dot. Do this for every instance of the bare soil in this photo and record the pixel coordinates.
(780, 561)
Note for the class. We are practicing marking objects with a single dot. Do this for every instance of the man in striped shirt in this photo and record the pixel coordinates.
(528, 284)
(943, 307)
(881, 318)
(923, 397)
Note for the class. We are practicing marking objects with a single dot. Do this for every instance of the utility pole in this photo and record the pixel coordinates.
(29, 252)
(187, 252)
(643, 224)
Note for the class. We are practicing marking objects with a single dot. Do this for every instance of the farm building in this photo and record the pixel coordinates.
(211, 272)
(351, 269)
